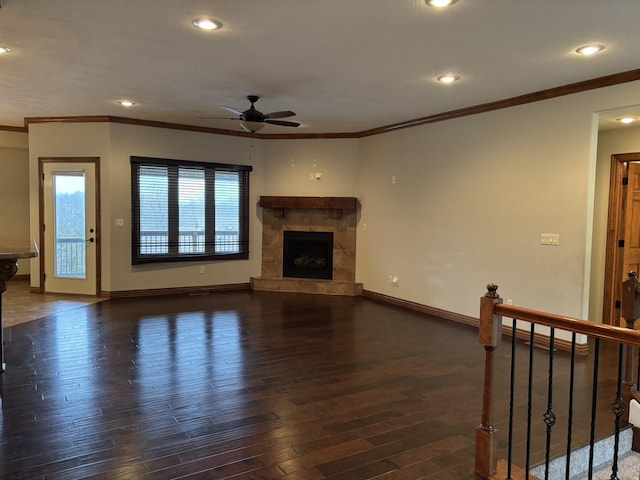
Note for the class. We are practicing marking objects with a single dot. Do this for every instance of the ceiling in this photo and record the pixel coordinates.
(341, 65)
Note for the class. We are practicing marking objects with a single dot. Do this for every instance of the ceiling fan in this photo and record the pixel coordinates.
(253, 120)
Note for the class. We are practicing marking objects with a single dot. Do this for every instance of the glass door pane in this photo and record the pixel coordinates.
(70, 224)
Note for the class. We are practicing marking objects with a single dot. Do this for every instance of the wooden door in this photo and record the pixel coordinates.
(623, 231)
(631, 219)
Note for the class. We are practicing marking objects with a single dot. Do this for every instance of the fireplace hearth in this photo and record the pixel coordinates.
(308, 255)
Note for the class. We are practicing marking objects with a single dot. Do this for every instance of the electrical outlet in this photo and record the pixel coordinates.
(509, 301)
(395, 281)
(202, 269)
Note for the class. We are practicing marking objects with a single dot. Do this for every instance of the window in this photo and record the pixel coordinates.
(184, 210)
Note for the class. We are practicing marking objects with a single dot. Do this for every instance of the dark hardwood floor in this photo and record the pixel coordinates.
(253, 385)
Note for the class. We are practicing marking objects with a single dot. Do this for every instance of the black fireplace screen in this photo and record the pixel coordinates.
(308, 255)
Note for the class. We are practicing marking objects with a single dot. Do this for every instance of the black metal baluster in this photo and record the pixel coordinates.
(529, 401)
(549, 417)
(618, 408)
(570, 413)
(594, 399)
(511, 401)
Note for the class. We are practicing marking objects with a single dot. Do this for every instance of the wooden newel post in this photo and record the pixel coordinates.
(490, 334)
(629, 307)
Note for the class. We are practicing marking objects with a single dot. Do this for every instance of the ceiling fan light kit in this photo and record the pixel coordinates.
(251, 127)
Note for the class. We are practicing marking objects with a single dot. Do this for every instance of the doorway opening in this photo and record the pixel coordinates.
(623, 231)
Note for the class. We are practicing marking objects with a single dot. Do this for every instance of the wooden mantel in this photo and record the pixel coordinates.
(334, 204)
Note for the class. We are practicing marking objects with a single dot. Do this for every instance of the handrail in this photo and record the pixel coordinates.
(490, 333)
(596, 330)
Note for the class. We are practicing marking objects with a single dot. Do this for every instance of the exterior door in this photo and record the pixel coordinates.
(70, 227)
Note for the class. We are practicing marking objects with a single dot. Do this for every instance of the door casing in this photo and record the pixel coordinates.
(69, 160)
(613, 274)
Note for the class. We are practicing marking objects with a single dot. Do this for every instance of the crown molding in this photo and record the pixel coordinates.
(9, 128)
(132, 121)
(569, 89)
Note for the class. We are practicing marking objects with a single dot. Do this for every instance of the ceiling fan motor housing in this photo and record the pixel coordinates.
(251, 114)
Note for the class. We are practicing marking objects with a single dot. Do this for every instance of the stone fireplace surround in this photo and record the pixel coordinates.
(312, 214)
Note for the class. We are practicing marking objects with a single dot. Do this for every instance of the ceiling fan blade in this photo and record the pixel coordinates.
(282, 114)
(283, 123)
(232, 110)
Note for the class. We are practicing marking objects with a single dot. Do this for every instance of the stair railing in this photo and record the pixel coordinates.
(492, 310)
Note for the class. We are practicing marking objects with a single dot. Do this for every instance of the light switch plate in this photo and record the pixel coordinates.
(550, 239)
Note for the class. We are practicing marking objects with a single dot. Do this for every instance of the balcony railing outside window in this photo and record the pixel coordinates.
(157, 242)
(71, 257)
(71, 252)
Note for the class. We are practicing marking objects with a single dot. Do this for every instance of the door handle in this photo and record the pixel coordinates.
(90, 240)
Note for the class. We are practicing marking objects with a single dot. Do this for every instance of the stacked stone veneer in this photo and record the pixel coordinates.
(309, 220)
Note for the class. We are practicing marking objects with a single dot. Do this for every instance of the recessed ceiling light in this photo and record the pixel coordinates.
(440, 3)
(448, 79)
(206, 23)
(4, 50)
(588, 50)
(126, 103)
(627, 119)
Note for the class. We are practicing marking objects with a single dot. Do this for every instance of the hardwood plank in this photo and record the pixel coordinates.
(261, 385)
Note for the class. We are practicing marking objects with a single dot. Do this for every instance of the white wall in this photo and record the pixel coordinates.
(610, 142)
(14, 139)
(472, 197)
(129, 140)
(289, 163)
(14, 189)
(114, 144)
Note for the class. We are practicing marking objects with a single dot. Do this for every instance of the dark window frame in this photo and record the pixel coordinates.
(209, 169)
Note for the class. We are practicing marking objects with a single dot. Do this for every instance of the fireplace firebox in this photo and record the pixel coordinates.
(308, 255)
